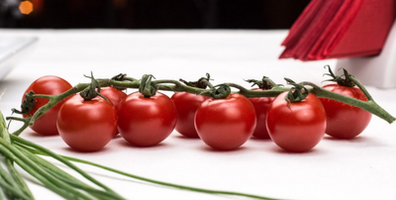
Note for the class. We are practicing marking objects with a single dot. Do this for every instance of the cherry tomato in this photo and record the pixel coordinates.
(87, 125)
(115, 96)
(146, 121)
(261, 105)
(48, 85)
(298, 126)
(345, 121)
(186, 105)
(225, 124)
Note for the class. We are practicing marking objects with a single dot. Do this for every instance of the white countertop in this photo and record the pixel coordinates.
(362, 168)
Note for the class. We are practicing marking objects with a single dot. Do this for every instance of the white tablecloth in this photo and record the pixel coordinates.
(362, 168)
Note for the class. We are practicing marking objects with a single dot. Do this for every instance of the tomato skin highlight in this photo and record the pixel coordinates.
(146, 121)
(297, 128)
(345, 121)
(226, 124)
(48, 85)
(261, 105)
(186, 105)
(87, 126)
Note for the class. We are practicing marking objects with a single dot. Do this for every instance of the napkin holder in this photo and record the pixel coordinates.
(378, 71)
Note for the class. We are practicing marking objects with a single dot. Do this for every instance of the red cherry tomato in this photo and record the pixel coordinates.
(146, 121)
(225, 124)
(113, 94)
(297, 127)
(345, 121)
(48, 85)
(87, 125)
(186, 105)
(261, 105)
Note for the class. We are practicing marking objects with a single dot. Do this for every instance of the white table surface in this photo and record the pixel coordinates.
(362, 168)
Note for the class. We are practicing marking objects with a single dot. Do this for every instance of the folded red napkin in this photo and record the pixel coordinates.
(339, 29)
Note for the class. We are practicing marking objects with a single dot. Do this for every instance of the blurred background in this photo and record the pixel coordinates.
(151, 14)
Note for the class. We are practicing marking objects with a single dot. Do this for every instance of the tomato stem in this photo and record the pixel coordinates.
(26, 123)
(297, 93)
(265, 83)
(369, 106)
(202, 83)
(147, 88)
(343, 80)
(176, 86)
(221, 92)
(361, 87)
(92, 91)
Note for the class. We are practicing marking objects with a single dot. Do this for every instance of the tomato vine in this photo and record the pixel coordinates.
(178, 86)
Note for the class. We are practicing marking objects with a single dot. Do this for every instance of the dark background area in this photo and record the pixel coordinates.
(153, 14)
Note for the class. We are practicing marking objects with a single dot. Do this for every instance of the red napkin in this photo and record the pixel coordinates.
(339, 29)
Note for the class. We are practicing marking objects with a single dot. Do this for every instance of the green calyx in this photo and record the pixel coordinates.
(92, 91)
(221, 92)
(265, 83)
(147, 88)
(296, 93)
(344, 79)
(202, 83)
(27, 104)
(120, 77)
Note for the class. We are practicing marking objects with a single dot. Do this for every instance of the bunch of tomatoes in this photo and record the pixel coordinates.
(221, 123)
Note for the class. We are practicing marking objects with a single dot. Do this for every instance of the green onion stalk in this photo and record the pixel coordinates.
(14, 150)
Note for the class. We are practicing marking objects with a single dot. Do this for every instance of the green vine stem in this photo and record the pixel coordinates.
(147, 88)
(203, 82)
(265, 83)
(176, 86)
(369, 106)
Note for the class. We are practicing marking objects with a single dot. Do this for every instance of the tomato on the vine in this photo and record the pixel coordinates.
(113, 94)
(345, 121)
(146, 121)
(261, 105)
(47, 85)
(186, 105)
(87, 125)
(296, 126)
(225, 124)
